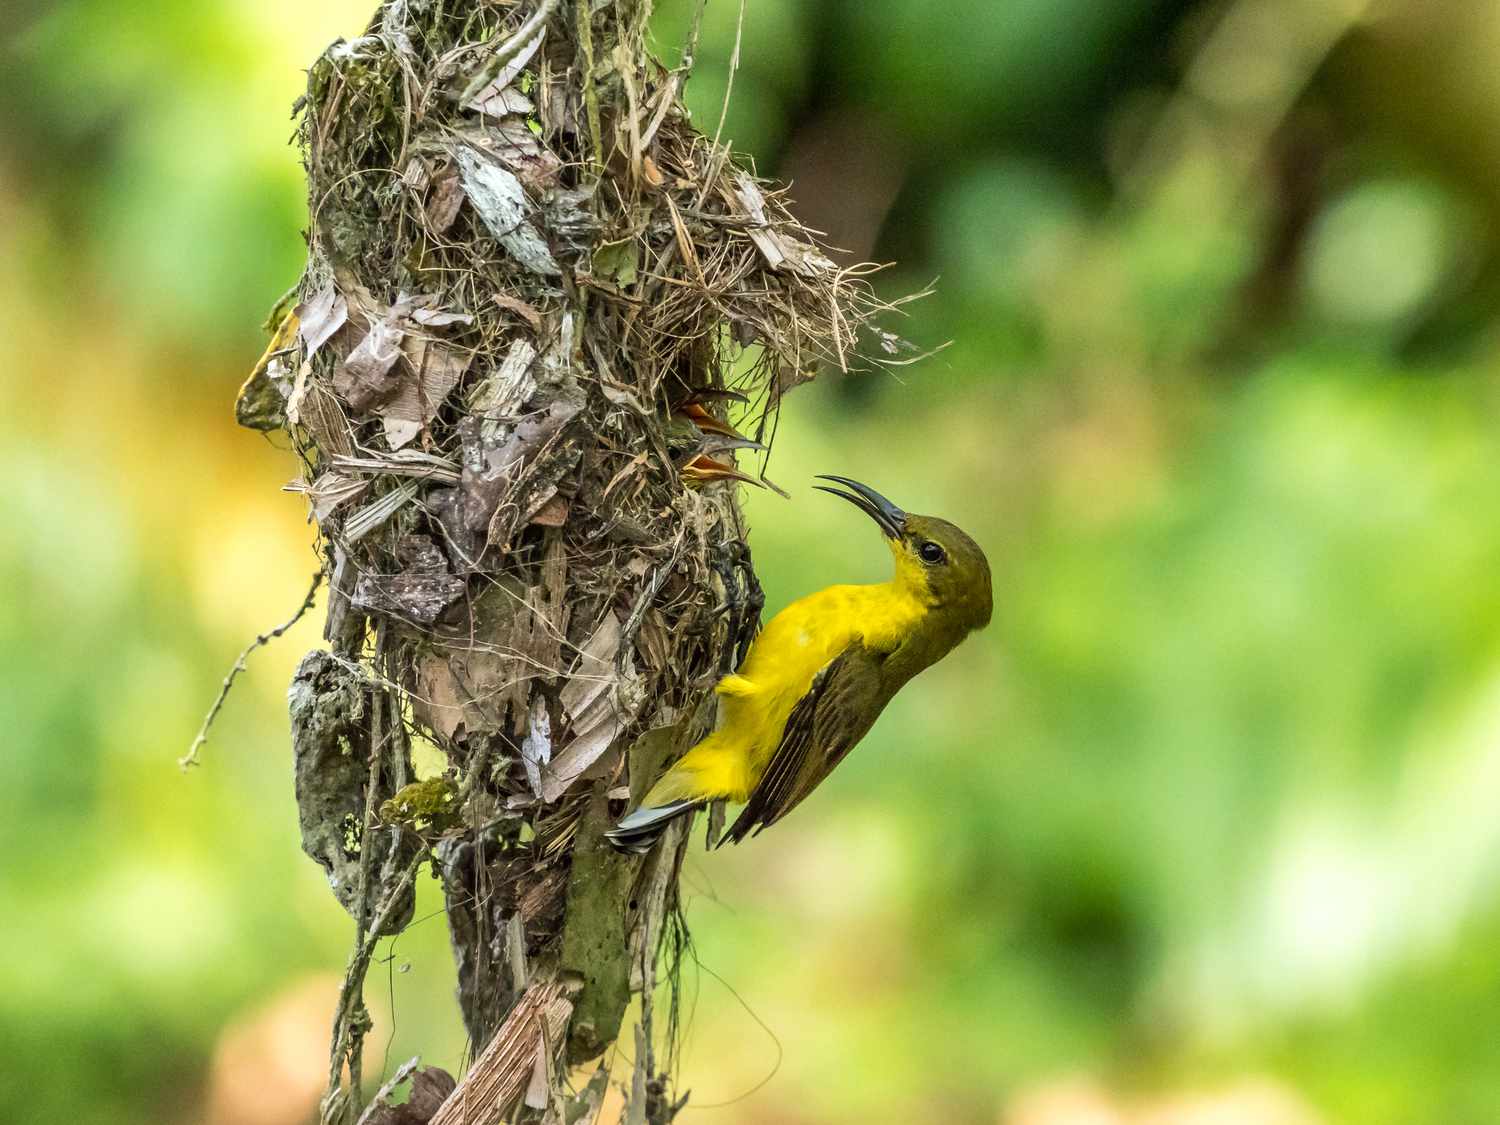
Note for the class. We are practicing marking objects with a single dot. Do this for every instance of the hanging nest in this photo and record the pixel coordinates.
(533, 293)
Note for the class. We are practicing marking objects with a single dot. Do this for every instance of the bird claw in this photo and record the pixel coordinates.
(743, 600)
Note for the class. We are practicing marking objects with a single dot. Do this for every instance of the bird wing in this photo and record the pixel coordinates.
(838, 710)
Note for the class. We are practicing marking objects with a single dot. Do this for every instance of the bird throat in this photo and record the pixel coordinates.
(910, 580)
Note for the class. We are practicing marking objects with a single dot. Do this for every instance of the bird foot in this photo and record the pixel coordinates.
(743, 600)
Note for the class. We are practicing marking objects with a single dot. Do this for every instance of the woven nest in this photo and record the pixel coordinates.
(534, 292)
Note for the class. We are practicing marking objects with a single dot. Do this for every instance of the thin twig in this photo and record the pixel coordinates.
(690, 47)
(190, 759)
(348, 1040)
(508, 50)
(734, 65)
(351, 991)
(667, 99)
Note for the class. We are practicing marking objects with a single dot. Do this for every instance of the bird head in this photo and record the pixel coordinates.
(934, 558)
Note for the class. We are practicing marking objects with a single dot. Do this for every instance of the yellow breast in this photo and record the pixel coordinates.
(793, 647)
(777, 672)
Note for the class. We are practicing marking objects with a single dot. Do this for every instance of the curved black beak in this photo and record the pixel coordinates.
(892, 520)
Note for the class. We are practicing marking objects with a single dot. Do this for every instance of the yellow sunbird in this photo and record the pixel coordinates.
(819, 674)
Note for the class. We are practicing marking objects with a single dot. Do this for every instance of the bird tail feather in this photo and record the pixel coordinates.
(637, 831)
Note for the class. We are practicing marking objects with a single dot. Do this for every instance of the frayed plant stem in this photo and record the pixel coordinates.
(590, 93)
(734, 65)
(509, 49)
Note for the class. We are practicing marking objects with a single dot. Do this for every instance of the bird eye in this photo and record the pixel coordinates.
(931, 552)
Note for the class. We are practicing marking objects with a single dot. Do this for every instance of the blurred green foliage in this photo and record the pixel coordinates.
(1212, 800)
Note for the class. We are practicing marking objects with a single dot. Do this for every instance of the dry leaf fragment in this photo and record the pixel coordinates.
(502, 205)
(504, 103)
(319, 411)
(651, 173)
(330, 490)
(508, 72)
(585, 749)
(406, 397)
(417, 176)
(554, 513)
(536, 747)
(437, 318)
(402, 463)
(536, 170)
(319, 317)
(430, 1087)
(439, 700)
(420, 593)
(470, 685)
(498, 1078)
(526, 312)
(510, 143)
(434, 369)
(495, 472)
(365, 378)
(571, 218)
(617, 261)
(684, 241)
(445, 200)
(499, 397)
(538, 1090)
(780, 251)
(595, 668)
(418, 598)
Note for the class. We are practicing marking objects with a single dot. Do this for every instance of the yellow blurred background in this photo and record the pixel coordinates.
(1202, 830)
